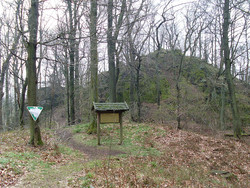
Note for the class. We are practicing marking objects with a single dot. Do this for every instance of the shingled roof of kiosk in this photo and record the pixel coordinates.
(108, 107)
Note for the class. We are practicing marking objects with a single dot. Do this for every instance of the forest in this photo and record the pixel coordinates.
(181, 66)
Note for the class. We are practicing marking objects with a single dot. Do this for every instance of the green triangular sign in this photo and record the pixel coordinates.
(35, 111)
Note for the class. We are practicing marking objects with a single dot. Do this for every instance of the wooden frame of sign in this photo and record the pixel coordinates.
(109, 113)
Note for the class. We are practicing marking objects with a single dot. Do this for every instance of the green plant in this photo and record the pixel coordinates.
(80, 128)
(154, 164)
(86, 180)
(4, 161)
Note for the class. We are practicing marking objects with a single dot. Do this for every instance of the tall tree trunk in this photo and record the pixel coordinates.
(222, 107)
(93, 65)
(111, 53)
(159, 46)
(132, 92)
(77, 81)
(7, 105)
(72, 65)
(66, 74)
(158, 87)
(229, 78)
(16, 93)
(137, 86)
(78, 108)
(215, 44)
(178, 89)
(247, 52)
(35, 134)
(112, 36)
(21, 105)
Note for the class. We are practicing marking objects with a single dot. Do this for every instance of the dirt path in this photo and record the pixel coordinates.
(93, 152)
(57, 176)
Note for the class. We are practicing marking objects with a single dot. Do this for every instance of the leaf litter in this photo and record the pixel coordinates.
(187, 160)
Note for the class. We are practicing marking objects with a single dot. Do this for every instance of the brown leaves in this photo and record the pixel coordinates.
(16, 156)
(8, 176)
(213, 153)
(188, 160)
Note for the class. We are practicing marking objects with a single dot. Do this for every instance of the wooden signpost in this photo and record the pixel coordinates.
(110, 113)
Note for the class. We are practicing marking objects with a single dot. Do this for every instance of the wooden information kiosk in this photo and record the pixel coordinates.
(109, 113)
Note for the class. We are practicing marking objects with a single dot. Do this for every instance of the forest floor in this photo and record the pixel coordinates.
(151, 156)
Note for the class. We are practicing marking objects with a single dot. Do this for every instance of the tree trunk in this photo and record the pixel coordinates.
(222, 108)
(215, 44)
(21, 105)
(247, 52)
(93, 66)
(131, 93)
(78, 108)
(112, 36)
(137, 87)
(7, 105)
(159, 46)
(111, 53)
(158, 88)
(16, 93)
(229, 78)
(178, 89)
(66, 74)
(35, 135)
(72, 65)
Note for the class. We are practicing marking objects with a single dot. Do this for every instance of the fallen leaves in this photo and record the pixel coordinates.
(21, 157)
(8, 176)
(213, 153)
(187, 159)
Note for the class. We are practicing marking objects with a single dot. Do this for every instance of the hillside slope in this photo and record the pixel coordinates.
(201, 90)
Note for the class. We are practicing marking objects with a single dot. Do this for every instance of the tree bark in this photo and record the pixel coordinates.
(222, 108)
(21, 105)
(72, 65)
(137, 87)
(111, 53)
(7, 105)
(112, 36)
(229, 77)
(247, 52)
(93, 65)
(66, 74)
(178, 89)
(132, 92)
(35, 135)
(16, 93)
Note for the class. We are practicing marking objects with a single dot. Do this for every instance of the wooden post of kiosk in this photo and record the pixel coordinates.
(109, 113)
(98, 129)
(121, 129)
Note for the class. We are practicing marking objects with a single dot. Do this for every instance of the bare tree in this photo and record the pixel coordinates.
(72, 35)
(112, 36)
(228, 66)
(6, 63)
(138, 32)
(192, 25)
(158, 48)
(93, 64)
(35, 135)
